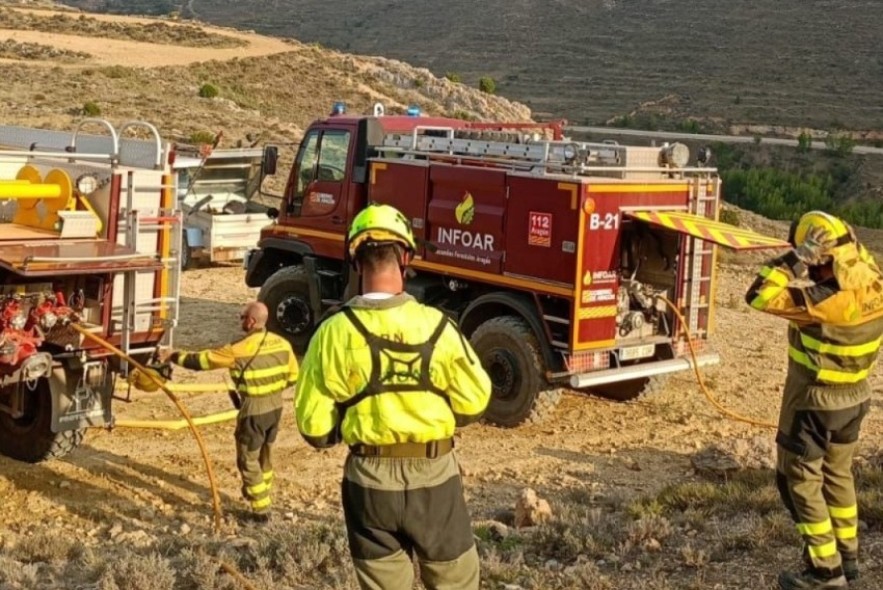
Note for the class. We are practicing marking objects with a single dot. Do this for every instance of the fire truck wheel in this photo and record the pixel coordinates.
(30, 438)
(509, 352)
(287, 296)
(186, 253)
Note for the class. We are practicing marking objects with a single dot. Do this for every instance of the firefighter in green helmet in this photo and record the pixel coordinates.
(392, 378)
(831, 290)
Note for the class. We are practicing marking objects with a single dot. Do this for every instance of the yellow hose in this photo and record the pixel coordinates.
(177, 424)
(197, 387)
(717, 405)
(216, 497)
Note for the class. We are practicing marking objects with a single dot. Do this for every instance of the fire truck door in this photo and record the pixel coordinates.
(317, 189)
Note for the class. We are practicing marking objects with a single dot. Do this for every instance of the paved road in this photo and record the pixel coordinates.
(817, 145)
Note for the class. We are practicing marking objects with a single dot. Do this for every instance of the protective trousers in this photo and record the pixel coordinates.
(818, 433)
(398, 508)
(255, 435)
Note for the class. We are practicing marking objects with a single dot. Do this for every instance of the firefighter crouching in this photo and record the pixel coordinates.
(391, 378)
(833, 339)
(262, 365)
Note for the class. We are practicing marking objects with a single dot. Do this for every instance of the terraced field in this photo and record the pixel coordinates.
(793, 62)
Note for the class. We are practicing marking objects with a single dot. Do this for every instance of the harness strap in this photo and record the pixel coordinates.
(380, 346)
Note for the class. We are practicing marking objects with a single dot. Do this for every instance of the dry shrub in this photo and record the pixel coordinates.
(44, 546)
(132, 571)
(576, 531)
(14, 574)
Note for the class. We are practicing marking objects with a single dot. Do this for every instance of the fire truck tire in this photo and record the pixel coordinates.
(287, 296)
(186, 253)
(509, 351)
(30, 438)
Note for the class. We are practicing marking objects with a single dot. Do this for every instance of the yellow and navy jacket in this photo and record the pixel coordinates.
(261, 364)
(388, 371)
(836, 324)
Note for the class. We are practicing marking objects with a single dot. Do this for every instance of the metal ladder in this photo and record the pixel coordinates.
(698, 251)
(429, 141)
(169, 221)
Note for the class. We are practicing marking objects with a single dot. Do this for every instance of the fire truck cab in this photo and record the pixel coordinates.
(556, 257)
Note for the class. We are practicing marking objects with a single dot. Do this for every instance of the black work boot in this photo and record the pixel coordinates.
(252, 517)
(850, 570)
(810, 580)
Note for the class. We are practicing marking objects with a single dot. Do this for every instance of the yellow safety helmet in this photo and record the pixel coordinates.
(380, 224)
(141, 379)
(837, 229)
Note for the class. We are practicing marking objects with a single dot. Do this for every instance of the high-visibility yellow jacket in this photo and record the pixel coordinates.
(836, 324)
(388, 371)
(261, 364)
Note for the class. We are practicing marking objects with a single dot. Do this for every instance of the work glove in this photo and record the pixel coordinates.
(815, 248)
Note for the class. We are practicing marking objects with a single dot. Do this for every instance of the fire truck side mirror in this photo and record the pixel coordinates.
(268, 165)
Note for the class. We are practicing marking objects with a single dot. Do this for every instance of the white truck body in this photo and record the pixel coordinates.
(221, 219)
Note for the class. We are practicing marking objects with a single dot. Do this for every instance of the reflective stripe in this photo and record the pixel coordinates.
(846, 512)
(840, 349)
(258, 390)
(765, 295)
(827, 375)
(265, 502)
(269, 475)
(814, 528)
(845, 533)
(278, 370)
(775, 275)
(822, 551)
(258, 488)
(204, 362)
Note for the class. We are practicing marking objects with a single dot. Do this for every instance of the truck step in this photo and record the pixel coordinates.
(557, 320)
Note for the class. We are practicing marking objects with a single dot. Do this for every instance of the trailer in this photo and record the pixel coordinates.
(216, 192)
(566, 263)
(90, 235)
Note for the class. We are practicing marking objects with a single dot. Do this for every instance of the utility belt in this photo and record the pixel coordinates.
(407, 450)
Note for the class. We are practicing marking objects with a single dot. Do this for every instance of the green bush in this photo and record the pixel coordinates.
(729, 216)
(804, 142)
(208, 91)
(839, 145)
(453, 77)
(201, 137)
(418, 83)
(91, 109)
(487, 85)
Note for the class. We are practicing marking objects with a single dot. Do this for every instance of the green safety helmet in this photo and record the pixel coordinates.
(380, 224)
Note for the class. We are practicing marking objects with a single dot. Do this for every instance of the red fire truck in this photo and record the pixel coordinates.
(555, 256)
(89, 237)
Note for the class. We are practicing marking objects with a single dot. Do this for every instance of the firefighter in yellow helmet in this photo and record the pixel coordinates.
(392, 378)
(262, 365)
(831, 290)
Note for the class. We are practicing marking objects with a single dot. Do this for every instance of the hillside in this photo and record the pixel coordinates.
(269, 89)
(790, 62)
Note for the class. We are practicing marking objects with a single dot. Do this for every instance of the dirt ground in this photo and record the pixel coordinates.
(151, 484)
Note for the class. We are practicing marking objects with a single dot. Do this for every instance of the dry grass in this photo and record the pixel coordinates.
(184, 35)
(10, 49)
(691, 535)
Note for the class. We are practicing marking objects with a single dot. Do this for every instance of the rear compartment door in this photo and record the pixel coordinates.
(704, 228)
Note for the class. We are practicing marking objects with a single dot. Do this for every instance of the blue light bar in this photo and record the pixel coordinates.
(339, 108)
(414, 111)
